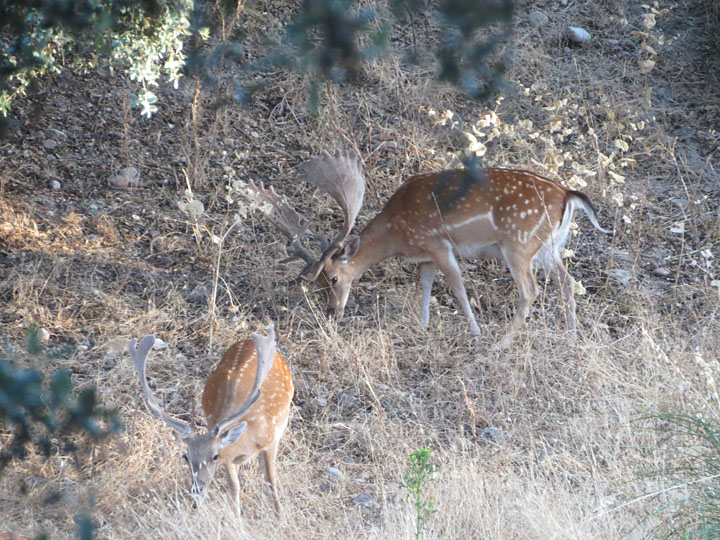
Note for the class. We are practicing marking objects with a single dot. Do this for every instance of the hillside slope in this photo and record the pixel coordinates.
(542, 440)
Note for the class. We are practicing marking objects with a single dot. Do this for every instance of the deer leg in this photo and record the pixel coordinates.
(446, 261)
(267, 463)
(234, 485)
(521, 270)
(427, 274)
(566, 284)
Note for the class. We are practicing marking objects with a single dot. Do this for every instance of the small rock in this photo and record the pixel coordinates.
(129, 176)
(55, 133)
(93, 208)
(491, 434)
(55, 185)
(159, 344)
(365, 500)
(612, 42)
(50, 144)
(662, 272)
(578, 35)
(347, 401)
(621, 275)
(199, 294)
(319, 402)
(334, 475)
(538, 18)
(35, 481)
(43, 334)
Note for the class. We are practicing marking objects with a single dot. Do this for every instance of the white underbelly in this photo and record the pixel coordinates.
(416, 260)
(483, 251)
(466, 251)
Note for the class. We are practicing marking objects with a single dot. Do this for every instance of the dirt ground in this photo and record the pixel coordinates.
(546, 439)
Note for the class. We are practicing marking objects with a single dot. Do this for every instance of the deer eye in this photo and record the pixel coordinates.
(334, 280)
(215, 457)
(185, 457)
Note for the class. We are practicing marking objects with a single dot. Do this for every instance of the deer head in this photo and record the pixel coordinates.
(341, 176)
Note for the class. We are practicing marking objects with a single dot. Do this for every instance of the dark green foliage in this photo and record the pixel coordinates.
(85, 527)
(328, 39)
(47, 415)
(463, 54)
(325, 37)
(448, 189)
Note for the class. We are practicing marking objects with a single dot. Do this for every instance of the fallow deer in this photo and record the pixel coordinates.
(433, 218)
(246, 401)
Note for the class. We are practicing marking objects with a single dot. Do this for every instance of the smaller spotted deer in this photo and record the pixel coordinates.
(246, 401)
(432, 219)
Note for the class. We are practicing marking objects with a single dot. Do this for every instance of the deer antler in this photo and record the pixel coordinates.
(139, 356)
(285, 218)
(266, 348)
(340, 176)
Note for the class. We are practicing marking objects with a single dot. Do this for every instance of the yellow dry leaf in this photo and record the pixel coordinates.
(647, 48)
(646, 66)
(620, 179)
(649, 20)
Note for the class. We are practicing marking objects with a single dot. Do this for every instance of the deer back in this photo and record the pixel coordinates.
(474, 207)
(229, 386)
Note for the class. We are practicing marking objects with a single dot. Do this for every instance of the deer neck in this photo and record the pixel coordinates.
(375, 246)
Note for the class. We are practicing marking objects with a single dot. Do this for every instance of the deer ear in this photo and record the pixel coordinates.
(233, 434)
(182, 437)
(349, 249)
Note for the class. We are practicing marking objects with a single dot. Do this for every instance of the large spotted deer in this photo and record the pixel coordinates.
(432, 219)
(246, 401)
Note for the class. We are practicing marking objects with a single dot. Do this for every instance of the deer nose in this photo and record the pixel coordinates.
(330, 312)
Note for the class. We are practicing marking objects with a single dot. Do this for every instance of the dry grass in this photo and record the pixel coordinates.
(571, 441)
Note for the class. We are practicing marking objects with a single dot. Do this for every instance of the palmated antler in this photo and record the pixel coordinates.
(285, 218)
(139, 357)
(266, 348)
(341, 176)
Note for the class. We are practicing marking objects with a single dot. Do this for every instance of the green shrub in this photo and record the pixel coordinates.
(418, 474)
(48, 415)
